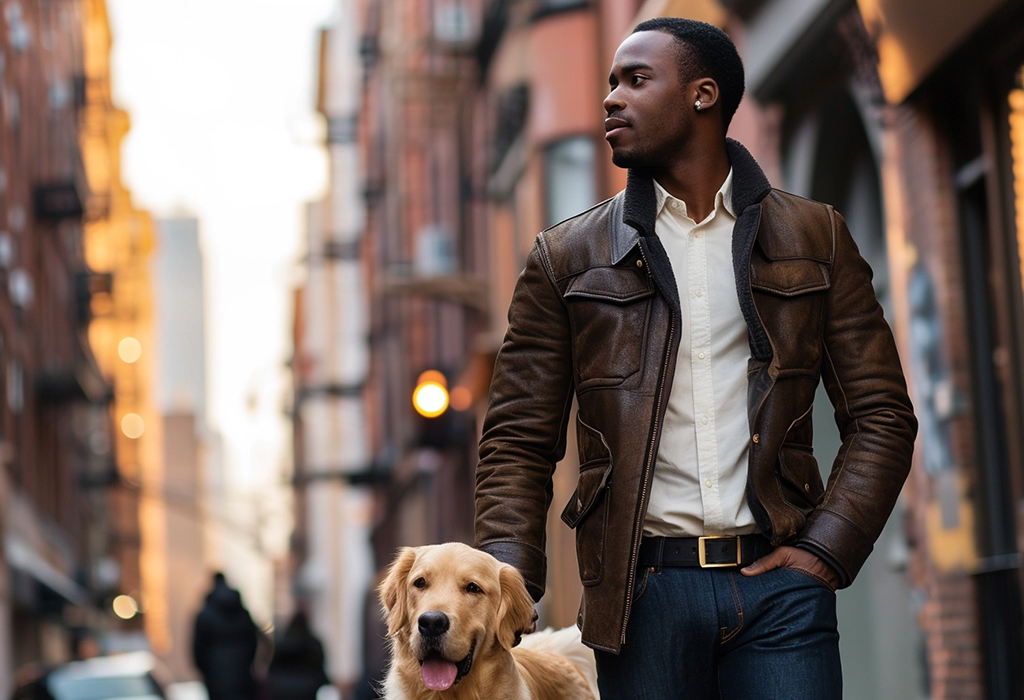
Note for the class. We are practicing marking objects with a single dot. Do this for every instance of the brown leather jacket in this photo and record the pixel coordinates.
(596, 314)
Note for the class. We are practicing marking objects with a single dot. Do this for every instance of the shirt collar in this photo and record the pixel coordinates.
(723, 198)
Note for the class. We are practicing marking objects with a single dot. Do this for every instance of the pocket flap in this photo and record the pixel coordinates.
(589, 489)
(789, 277)
(799, 467)
(611, 284)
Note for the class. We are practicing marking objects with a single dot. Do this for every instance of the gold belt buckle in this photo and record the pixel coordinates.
(701, 554)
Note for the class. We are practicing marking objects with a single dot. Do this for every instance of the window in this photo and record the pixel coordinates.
(569, 178)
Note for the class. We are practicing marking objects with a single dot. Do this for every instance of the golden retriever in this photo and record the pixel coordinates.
(453, 613)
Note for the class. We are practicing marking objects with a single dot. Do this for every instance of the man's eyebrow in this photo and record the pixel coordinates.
(630, 68)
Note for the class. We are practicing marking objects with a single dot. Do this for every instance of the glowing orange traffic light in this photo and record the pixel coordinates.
(430, 397)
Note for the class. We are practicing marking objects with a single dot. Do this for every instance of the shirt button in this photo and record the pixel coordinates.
(704, 420)
(756, 438)
(700, 356)
(696, 234)
(708, 483)
(639, 263)
(699, 293)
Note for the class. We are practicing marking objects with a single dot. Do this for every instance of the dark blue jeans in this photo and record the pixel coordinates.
(715, 634)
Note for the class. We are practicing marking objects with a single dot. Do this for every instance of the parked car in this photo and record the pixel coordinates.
(132, 676)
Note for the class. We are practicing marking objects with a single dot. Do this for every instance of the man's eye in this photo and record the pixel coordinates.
(473, 588)
(420, 582)
(637, 79)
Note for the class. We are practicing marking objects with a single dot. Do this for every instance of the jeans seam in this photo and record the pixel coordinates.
(726, 635)
(643, 585)
(810, 574)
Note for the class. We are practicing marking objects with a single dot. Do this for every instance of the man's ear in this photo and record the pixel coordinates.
(515, 610)
(706, 90)
(393, 590)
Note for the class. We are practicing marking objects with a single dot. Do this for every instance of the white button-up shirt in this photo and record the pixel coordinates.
(700, 474)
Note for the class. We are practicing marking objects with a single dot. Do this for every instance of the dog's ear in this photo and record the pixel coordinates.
(393, 589)
(515, 611)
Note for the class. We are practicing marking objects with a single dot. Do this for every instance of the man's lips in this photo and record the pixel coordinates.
(614, 125)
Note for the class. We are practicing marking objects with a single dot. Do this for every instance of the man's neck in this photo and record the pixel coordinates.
(696, 179)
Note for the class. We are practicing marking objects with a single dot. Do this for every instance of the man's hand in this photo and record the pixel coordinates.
(529, 630)
(794, 558)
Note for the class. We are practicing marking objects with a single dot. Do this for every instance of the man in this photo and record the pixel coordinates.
(224, 644)
(692, 316)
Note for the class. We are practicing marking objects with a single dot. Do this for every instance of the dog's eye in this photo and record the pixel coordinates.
(473, 588)
(420, 582)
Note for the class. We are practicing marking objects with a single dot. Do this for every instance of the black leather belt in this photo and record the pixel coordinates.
(705, 552)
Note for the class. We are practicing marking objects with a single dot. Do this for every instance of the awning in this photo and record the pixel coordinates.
(914, 36)
(22, 557)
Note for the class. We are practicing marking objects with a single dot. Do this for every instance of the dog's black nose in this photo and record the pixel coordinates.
(433, 623)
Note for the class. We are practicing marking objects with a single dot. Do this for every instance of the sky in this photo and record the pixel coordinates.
(222, 103)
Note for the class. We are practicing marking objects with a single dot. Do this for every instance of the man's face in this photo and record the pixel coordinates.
(647, 116)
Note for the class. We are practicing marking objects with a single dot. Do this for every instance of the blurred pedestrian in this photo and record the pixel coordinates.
(297, 670)
(693, 316)
(224, 644)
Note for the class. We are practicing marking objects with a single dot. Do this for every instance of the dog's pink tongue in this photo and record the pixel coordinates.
(438, 674)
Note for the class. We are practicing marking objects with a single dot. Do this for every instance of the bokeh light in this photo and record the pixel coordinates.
(129, 349)
(133, 426)
(125, 607)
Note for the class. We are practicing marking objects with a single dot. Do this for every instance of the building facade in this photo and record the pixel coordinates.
(115, 287)
(332, 562)
(71, 536)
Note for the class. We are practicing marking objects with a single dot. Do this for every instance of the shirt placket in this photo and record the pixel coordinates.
(701, 373)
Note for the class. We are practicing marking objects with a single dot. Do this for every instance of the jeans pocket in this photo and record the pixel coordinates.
(640, 584)
(804, 573)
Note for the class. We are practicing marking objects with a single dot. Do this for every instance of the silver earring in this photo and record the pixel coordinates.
(698, 105)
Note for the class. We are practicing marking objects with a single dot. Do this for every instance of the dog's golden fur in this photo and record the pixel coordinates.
(486, 604)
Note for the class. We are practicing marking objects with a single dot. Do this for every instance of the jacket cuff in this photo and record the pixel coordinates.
(838, 542)
(527, 559)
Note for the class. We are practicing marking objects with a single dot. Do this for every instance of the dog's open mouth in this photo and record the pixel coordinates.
(439, 673)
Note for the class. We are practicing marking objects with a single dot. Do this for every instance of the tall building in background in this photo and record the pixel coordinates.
(181, 400)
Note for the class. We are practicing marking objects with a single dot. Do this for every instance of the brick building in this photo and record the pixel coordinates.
(70, 532)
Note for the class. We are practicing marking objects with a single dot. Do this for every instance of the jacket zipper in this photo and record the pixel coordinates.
(635, 548)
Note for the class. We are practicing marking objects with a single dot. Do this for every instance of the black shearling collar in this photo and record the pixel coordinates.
(749, 186)
(639, 211)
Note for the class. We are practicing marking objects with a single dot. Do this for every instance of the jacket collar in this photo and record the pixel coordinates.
(639, 202)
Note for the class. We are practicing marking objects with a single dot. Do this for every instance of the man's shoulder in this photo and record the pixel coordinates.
(584, 240)
(796, 227)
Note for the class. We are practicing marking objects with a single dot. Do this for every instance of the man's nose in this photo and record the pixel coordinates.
(613, 103)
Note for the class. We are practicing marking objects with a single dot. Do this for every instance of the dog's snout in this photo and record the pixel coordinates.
(433, 623)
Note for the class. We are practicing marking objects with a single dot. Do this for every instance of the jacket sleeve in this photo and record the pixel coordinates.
(524, 429)
(864, 380)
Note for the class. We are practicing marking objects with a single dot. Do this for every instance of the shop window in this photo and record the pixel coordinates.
(570, 182)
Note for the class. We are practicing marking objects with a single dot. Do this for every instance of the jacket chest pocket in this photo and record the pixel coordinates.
(789, 295)
(609, 309)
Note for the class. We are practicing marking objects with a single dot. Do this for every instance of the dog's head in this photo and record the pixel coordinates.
(447, 603)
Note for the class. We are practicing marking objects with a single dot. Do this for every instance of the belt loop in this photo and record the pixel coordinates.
(661, 551)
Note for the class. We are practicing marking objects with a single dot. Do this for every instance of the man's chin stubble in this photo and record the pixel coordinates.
(627, 159)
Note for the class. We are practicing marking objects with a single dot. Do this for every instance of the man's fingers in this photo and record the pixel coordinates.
(768, 562)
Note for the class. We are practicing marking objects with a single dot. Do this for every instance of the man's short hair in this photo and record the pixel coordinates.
(711, 54)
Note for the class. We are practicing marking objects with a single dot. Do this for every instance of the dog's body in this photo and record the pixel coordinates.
(453, 613)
